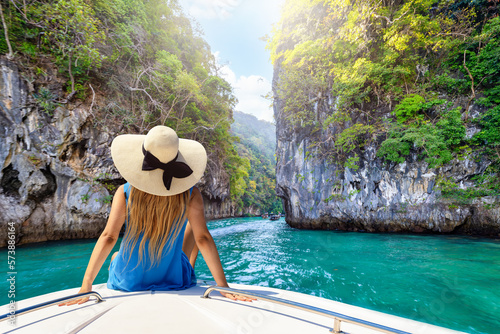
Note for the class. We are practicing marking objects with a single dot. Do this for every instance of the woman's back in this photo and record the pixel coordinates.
(129, 271)
(163, 169)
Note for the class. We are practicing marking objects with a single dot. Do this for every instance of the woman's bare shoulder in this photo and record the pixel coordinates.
(120, 191)
(195, 191)
(119, 196)
(196, 199)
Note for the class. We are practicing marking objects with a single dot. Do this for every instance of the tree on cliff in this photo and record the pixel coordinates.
(145, 57)
(67, 29)
(257, 145)
(424, 61)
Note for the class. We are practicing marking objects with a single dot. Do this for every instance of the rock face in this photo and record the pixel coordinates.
(216, 197)
(378, 197)
(44, 189)
(56, 172)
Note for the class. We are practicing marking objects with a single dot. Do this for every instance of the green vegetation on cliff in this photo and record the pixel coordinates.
(149, 63)
(137, 63)
(257, 146)
(425, 62)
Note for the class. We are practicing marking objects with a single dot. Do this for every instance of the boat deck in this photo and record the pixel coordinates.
(186, 312)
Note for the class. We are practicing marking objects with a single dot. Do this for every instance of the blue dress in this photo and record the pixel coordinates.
(173, 272)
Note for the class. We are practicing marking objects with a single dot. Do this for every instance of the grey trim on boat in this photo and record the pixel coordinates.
(338, 317)
(52, 302)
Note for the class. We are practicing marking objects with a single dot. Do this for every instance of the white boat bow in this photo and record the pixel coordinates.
(276, 311)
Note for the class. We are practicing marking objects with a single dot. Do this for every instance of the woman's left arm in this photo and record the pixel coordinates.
(104, 244)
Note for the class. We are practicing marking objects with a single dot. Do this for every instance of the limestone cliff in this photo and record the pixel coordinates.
(379, 196)
(56, 172)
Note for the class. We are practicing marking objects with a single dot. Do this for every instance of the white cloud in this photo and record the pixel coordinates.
(250, 92)
(211, 9)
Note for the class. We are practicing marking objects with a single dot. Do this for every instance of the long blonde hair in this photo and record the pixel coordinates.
(158, 218)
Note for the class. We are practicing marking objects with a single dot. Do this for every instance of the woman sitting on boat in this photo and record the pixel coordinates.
(164, 217)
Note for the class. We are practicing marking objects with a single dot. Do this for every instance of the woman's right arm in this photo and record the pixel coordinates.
(206, 244)
(104, 244)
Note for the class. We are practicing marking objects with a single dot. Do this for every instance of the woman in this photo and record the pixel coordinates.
(156, 204)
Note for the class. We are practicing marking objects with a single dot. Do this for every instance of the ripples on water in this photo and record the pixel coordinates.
(444, 280)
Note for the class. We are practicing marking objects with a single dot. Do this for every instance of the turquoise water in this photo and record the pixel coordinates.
(449, 281)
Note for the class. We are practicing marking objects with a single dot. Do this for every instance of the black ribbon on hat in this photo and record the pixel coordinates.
(171, 169)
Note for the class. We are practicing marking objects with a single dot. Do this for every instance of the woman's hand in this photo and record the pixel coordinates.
(79, 301)
(234, 296)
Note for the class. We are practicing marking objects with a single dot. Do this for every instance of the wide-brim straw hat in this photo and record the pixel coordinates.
(159, 163)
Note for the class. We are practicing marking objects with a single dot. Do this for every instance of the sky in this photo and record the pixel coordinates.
(233, 29)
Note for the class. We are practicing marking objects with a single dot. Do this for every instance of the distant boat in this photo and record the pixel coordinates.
(265, 216)
(275, 217)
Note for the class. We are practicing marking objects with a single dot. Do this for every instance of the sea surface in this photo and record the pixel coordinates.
(450, 281)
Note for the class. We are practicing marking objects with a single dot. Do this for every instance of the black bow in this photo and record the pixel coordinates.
(170, 169)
